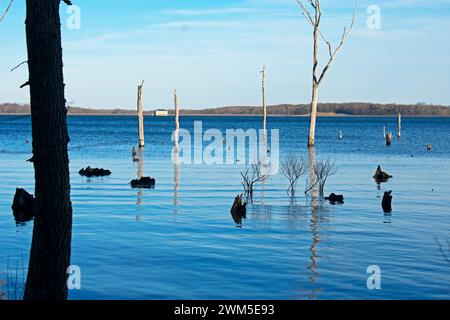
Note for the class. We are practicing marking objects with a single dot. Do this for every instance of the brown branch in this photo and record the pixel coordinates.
(6, 11)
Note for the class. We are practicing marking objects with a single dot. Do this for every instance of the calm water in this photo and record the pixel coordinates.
(178, 241)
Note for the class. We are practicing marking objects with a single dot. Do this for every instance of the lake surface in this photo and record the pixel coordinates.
(178, 241)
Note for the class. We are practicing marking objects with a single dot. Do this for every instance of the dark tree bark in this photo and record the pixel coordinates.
(50, 249)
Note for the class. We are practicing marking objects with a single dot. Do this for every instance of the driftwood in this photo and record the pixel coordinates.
(239, 210)
(23, 206)
(335, 198)
(387, 202)
(144, 182)
(94, 172)
(381, 176)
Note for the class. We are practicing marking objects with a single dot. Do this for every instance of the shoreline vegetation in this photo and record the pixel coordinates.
(301, 110)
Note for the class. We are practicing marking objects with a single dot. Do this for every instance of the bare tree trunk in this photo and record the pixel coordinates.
(52, 232)
(399, 125)
(140, 116)
(315, 85)
(177, 119)
(264, 100)
(314, 21)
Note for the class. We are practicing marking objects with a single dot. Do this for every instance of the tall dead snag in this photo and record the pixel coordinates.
(314, 19)
(52, 231)
(140, 115)
(264, 99)
(399, 125)
(177, 120)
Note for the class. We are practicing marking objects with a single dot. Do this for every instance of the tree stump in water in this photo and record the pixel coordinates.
(381, 176)
(334, 198)
(23, 206)
(388, 139)
(144, 182)
(94, 172)
(238, 210)
(387, 202)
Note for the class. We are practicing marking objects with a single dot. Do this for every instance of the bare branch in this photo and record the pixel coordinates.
(16, 67)
(306, 12)
(6, 11)
(251, 177)
(25, 84)
(344, 37)
(293, 168)
(68, 2)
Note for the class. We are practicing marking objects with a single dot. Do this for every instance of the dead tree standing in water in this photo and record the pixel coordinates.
(140, 115)
(314, 20)
(52, 232)
(293, 168)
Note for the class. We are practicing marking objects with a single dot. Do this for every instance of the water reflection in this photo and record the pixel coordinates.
(315, 205)
(176, 184)
(140, 193)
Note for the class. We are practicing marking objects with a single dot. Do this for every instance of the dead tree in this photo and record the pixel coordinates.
(140, 115)
(293, 168)
(250, 177)
(264, 100)
(322, 171)
(177, 120)
(314, 20)
(52, 232)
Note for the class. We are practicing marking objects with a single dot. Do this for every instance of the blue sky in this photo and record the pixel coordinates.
(212, 52)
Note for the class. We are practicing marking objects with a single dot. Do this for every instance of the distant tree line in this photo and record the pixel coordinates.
(352, 108)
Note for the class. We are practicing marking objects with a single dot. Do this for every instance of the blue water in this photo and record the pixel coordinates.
(178, 241)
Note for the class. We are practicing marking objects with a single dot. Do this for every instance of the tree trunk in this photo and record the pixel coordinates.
(140, 116)
(315, 90)
(264, 101)
(177, 119)
(399, 125)
(52, 232)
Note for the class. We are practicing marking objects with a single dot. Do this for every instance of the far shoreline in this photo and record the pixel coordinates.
(237, 115)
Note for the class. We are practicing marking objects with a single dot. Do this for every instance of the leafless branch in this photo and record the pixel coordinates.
(315, 23)
(6, 11)
(68, 2)
(293, 168)
(16, 67)
(323, 170)
(344, 37)
(250, 177)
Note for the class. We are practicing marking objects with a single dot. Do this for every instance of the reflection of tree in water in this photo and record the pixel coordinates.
(140, 193)
(314, 227)
(176, 186)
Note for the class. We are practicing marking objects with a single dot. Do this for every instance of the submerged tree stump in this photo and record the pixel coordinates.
(239, 210)
(335, 198)
(144, 182)
(389, 139)
(386, 204)
(23, 206)
(381, 176)
(94, 172)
